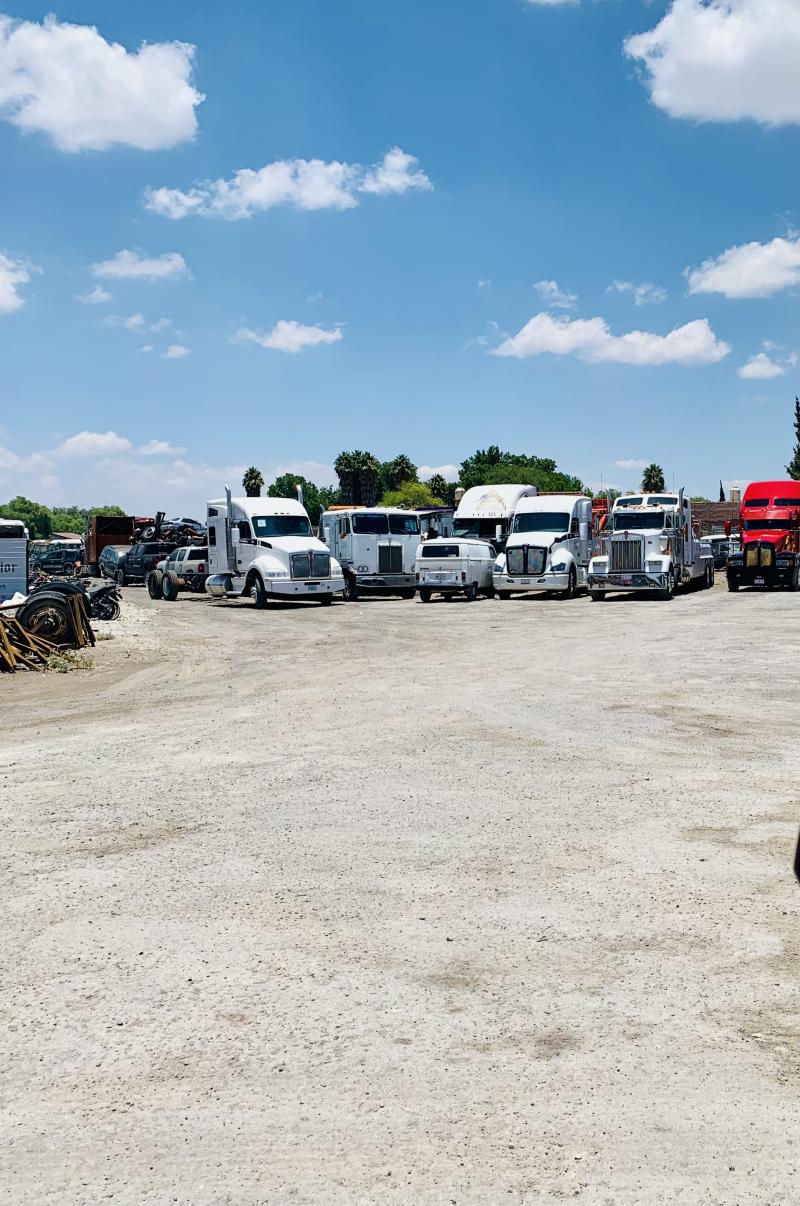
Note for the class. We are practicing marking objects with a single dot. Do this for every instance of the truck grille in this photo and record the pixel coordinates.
(390, 559)
(311, 565)
(759, 555)
(626, 556)
(525, 559)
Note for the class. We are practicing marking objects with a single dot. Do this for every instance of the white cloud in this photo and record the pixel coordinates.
(554, 296)
(96, 296)
(147, 347)
(67, 82)
(633, 463)
(485, 283)
(448, 472)
(643, 294)
(134, 266)
(767, 364)
(289, 336)
(398, 173)
(134, 322)
(13, 273)
(93, 443)
(303, 183)
(550, 3)
(590, 339)
(160, 325)
(749, 270)
(175, 351)
(726, 60)
(159, 448)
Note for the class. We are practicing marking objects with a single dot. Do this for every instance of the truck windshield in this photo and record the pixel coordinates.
(440, 550)
(266, 526)
(542, 521)
(635, 521)
(371, 525)
(769, 525)
(483, 528)
(404, 525)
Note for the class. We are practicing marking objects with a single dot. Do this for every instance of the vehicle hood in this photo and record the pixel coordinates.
(293, 544)
(537, 540)
(779, 540)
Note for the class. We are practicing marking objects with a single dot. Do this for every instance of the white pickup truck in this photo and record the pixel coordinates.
(650, 546)
(264, 547)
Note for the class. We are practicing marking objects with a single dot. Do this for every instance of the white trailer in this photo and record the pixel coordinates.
(264, 547)
(375, 546)
(13, 559)
(650, 545)
(548, 547)
(485, 512)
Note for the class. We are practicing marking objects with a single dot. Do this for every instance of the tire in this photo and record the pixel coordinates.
(120, 577)
(572, 587)
(108, 610)
(502, 595)
(597, 596)
(326, 600)
(259, 593)
(471, 592)
(667, 591)
(46, 615)
(407, 594)
(732, 586)
(169, 586)
(425, 594)
(350, 588)
(490, 591)
(154, 580)
(794, 584)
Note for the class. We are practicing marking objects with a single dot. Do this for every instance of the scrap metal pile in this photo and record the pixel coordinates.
(45, 624)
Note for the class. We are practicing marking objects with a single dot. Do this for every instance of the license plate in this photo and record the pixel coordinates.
(626, 579)
(312, 585)
(758, 581)
(524, 581)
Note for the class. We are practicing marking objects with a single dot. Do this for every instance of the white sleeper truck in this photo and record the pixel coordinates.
(650, 545)
(264, 547)
(375, 546)
(548, 547)
(486, 512)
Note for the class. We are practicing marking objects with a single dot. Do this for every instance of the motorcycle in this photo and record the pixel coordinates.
(102, 602)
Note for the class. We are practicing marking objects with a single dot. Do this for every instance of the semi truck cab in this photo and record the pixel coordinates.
(548, 547)
(769, 520)
(375, 546)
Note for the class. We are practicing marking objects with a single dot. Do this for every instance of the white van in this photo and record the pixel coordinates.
(454, 567)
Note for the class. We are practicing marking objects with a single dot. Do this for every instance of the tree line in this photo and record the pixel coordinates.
(42, 521)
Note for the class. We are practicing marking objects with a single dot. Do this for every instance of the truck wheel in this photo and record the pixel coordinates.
(668, 589)
(502, 595)
(597, 596)
(326, 600)
(154, 580)
(407, 594)
(471, 592)
(425, 594)
(732, 585)
(169, 586)
(572, 587)
(259, 593)
(350, 588)
(121, 578)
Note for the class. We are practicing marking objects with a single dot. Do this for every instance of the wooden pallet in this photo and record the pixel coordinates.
(22, 650)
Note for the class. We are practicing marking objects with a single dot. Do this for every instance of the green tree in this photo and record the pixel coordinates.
(414, 496)
(37, 518)
(253, 482)
(653, 479)
(793, 468)
(395, 473)
(490, 466)
(442, 489)
(359, 476)
(315, 498)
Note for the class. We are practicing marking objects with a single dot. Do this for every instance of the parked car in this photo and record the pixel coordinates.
(141, 559)
(454, 567)
(112, 559)
(186, 568)
(720, 546)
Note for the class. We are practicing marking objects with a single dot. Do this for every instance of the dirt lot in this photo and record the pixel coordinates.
(394, 903)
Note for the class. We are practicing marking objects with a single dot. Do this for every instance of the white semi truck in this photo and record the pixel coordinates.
(264, 547)
(548, 547)
(649, 545)
(486, 512)
(375, 546)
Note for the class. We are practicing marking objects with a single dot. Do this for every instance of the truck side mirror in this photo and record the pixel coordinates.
(498, 531)
(727, 527)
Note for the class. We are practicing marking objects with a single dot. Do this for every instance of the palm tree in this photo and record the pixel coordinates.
(653, 479)
(359, 478)
(345, 467)
(253, 481)
(399, 471)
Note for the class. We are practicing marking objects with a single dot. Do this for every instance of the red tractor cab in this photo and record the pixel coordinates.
(769, 520)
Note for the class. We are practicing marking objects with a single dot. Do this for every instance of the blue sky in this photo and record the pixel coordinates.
(458, 294)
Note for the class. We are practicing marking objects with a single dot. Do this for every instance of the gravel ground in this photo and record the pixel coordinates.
(394, 903)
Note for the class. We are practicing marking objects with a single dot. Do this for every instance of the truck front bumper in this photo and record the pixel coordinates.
(385, 582)
(289, 588)
(641, 580)
(551, 580)
(780, 574)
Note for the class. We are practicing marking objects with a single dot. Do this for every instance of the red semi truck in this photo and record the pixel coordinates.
(769, 521)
